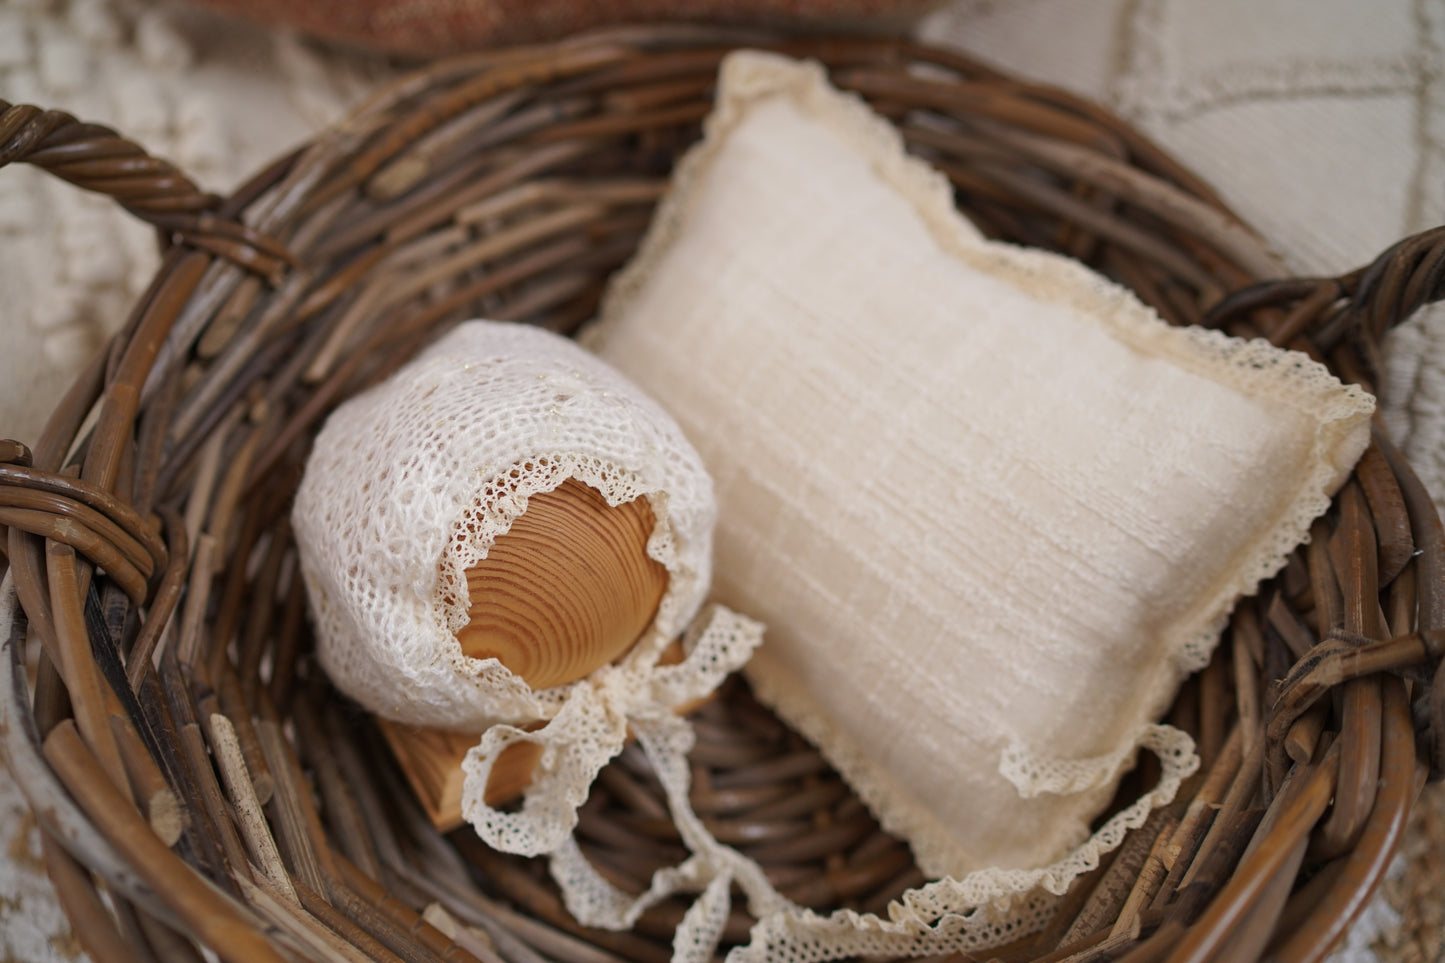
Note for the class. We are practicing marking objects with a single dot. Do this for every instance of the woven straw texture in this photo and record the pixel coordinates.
(511, 185)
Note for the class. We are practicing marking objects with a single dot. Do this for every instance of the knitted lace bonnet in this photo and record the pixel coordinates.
(410, 483)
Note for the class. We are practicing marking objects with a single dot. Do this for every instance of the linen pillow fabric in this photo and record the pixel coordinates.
(992, 509)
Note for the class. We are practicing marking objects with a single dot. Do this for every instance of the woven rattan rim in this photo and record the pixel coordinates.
(227, 798)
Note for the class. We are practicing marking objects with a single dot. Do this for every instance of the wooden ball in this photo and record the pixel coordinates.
(567, 589)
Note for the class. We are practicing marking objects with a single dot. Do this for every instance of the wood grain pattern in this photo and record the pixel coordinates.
(567, 589)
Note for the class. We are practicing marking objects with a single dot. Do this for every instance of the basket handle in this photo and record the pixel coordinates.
(1357, 308)
(96, 158)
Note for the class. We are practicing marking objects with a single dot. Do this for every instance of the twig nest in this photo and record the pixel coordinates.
(502, 517)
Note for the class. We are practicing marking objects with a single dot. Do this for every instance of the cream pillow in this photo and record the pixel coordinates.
(992, 509)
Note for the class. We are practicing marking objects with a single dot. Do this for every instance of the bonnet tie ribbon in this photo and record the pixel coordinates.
(588, 730)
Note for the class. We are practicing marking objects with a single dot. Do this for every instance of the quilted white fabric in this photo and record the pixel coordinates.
(992, 509)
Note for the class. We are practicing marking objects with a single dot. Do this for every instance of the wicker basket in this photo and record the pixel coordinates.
(227, 798)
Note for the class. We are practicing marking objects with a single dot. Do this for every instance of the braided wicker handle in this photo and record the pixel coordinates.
(1347, 318)
(96, 158)
(1362, 305)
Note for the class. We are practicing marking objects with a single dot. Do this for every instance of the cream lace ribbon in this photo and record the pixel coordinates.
(987, 907)
(590, 729)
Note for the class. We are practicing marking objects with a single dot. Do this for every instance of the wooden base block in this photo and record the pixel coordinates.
(432, 761)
